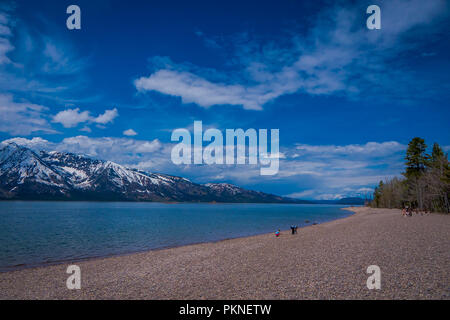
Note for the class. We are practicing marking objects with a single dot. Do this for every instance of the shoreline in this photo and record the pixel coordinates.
(324, 261)
(93, 258)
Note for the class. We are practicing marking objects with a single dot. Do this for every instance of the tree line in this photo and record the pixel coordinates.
(425, 184)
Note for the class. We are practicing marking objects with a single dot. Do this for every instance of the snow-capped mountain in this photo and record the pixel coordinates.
(232, 193)
(29, 175)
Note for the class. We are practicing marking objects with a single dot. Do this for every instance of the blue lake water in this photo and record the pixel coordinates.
(36, 233)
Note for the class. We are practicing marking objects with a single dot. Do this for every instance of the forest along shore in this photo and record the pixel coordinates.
(325, 261)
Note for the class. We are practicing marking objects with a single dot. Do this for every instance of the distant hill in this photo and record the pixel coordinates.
(344, 201)
(29, 175)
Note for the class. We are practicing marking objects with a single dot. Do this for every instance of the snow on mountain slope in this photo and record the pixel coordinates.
(54, 175)
(78, 176)
(224, 187)
(20, 165)
(83, 172)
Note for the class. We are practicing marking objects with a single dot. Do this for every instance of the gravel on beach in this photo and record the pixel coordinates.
(325, 261)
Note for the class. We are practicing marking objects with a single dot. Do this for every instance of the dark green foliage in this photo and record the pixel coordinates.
(437, 154)
(426, 185)
(416, 160)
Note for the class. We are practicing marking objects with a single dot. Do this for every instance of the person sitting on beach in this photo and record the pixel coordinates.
(277, 233)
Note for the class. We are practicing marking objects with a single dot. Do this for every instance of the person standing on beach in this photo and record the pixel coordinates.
(293, 229)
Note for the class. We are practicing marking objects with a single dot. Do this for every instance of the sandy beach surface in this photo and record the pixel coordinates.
(326, 261)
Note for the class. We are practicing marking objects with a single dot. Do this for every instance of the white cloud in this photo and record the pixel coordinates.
(125, 151)
(86, 129)
(34, 143)
(328, 172)
(336, 56)
(107, 117)
(372, 148)
(72, 117)
(22, 117)
(59, 58)
(130, 132)
(5, 34)
(330, 196)
(35, 67)
(307, 194)
(194, 89)
(110, 148)
(148, 146)
(38, 65)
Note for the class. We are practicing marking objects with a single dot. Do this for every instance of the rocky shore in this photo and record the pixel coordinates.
(326, 261)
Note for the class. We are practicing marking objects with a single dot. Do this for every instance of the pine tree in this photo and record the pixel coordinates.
(416, 159)
(416, 162)
(378, 194)
(440, 177)
(437, 156)
(426, 184)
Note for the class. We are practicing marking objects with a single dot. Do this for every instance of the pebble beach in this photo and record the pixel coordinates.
(325, 261)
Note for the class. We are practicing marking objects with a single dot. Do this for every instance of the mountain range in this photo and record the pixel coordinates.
(343, 201)
(26, 174)
(29, 175)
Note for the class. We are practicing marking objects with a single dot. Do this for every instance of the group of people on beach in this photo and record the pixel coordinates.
(293, 231)
(408, 212)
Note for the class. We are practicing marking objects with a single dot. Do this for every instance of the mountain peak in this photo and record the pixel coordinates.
(57, 175)
(9, 144)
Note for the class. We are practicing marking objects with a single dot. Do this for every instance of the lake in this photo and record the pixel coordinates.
(37, 233)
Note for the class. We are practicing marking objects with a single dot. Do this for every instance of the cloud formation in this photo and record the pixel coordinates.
(5, 34)
(306, 171)
(121, 150)
(130, 133)
(72, 117)
(194, 89)
(22, 117)
(338, 55)
(370, 148)
(36, 73)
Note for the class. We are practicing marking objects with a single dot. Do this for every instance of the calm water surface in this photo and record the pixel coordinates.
(36, 233)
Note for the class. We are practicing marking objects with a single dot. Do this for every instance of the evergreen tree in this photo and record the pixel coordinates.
(426, 185)
(377, 195)
(437, 156)
(416, 159)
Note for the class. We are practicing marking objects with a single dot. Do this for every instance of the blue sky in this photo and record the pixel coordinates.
(346, 99)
